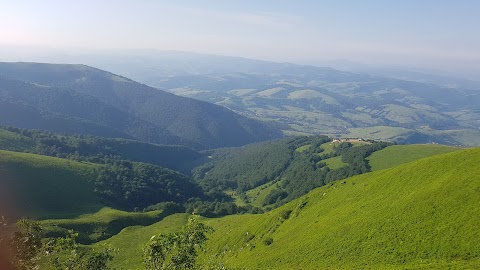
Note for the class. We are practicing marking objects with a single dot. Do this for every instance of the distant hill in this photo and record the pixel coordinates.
(398, 106)
(78, 99)
(386, 105)
(312, 100)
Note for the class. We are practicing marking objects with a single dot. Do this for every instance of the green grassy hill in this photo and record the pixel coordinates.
(100, 225)
(14, 142)
(43, 187)
(399, 154)
(423, 214)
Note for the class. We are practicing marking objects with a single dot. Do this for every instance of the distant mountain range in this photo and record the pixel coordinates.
(312, 100)
(394, 104)
(84, 100)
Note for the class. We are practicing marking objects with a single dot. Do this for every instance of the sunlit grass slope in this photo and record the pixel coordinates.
(131, 240)
(100, 225)
(46, 187)
(423, 214)
(14, 141)
(399, 154)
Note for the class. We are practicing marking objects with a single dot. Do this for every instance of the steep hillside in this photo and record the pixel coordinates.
(418, 215)
(81, 99)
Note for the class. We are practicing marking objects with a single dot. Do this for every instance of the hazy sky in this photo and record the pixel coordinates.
(429, 33)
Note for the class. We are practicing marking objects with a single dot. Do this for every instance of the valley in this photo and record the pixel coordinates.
(239, 135)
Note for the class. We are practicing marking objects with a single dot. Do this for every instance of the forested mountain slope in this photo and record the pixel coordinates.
(272, 173)
(81, 99)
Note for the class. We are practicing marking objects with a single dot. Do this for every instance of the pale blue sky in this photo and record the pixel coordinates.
(426, 33)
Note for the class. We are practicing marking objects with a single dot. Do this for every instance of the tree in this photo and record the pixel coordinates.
(28, 248)
(5, 263)
(65, 253)
(25, 244)
(176, 250)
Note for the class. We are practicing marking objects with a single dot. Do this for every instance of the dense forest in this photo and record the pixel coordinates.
(295, 166)
(97, 149)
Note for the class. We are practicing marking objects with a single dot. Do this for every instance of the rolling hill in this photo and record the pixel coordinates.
(325, 101)
(40, 186)
(78, 99)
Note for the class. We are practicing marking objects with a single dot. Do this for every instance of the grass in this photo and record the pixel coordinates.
(14, 142)
(327, 148)
(131, 240)
(304, 94)
(421, 215)
(310, 122)
(377, 132)
(47, 187)
(399, 154)
(303, 148)
(257, 195)
(100, 225)
(270, 92)
(236, 198)
(334, 163)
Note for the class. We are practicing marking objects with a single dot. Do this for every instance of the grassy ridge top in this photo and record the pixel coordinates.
(399, 154)
(423, 214)
(46, 186)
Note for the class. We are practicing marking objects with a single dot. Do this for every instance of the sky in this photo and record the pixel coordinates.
(443, 34)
